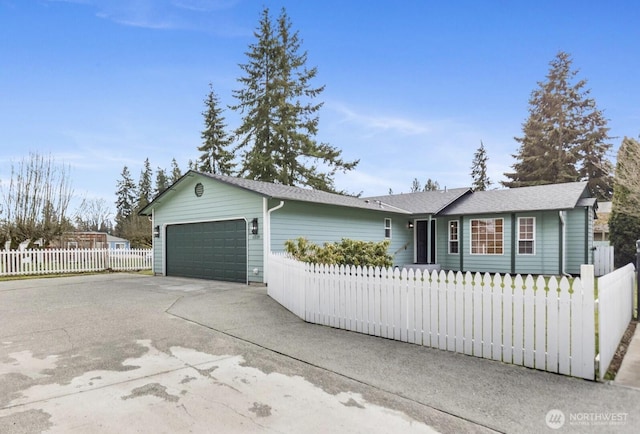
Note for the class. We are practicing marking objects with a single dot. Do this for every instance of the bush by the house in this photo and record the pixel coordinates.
(344, 252)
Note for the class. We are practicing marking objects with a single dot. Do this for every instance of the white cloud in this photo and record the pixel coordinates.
(163, 14)
(384, 123)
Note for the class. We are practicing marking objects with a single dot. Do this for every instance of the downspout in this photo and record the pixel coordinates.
(267, 236)
(429, 235)
(563, 243)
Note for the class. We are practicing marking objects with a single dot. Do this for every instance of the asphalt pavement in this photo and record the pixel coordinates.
(131, 353)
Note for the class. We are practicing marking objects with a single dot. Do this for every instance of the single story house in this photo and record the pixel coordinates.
(89, 240)
(220, 227)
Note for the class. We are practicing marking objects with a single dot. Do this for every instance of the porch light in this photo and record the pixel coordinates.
(254, 226)
(156, 231)
(410, 224)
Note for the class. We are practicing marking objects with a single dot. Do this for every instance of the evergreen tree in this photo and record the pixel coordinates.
(162, 182)
(481, 181)
(176, 173)
(415, 186)
(126, 195)
(564, 137)
(431, 185)
(280, 118)
(624, 222)
(215, 156)
(144, 186)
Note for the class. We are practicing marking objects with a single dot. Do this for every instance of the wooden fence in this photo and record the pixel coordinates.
(603, 260)
(26, 262)
(541, 323)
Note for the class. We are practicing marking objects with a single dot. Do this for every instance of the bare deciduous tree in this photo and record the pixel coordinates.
(93, 215)
(35, 200)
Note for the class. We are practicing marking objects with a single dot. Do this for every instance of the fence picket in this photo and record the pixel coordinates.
(497, 328)
(451, 311)
(552, 325)
(459, 330)
(507, 317)
(540, 325)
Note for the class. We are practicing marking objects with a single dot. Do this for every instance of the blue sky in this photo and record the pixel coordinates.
(412, 87)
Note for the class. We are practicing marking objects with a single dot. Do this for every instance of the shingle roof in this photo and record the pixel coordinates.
(536, 198)
(423, 202)
(279, 191)
(456, 201)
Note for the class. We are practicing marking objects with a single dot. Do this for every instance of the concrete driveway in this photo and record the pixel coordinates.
(130, 353)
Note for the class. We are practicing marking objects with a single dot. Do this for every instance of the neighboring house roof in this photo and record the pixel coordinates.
(279, 191)
(535, 198)
(114, 239)
(423, 202)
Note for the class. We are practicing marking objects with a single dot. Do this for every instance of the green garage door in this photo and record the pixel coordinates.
(208, 250)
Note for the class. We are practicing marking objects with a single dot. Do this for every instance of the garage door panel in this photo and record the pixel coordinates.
(208, 250)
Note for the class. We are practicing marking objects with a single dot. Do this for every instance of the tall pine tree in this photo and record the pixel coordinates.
(126, 195)
(176, 173)
(162, 182)
(565, 136)
(481, 180)
(624, 222)
(280, 119)
(144, 186)
(215, 157)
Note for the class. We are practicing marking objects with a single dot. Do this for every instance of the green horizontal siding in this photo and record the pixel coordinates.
(218, 202)
(579, 223)
(324, 223)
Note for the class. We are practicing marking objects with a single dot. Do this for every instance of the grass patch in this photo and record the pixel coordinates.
(84, 273)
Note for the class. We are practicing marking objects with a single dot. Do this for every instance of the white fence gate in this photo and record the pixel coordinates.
(603, 260)
(52, 261)
(541, 323)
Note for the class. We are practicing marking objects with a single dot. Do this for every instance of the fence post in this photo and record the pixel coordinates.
(588, 329)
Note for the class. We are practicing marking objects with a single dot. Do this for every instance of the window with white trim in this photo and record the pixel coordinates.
(487, 236)
(526, 235)
(454, 242)
(387, 228)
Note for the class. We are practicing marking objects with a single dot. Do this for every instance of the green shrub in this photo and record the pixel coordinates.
(344, 252)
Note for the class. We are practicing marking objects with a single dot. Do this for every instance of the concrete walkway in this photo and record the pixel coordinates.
(132, 353)
(629, 372)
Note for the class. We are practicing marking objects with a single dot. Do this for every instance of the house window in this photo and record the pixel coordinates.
(387, 228)
(72, 245)
(453, 238)
(119, 246)
(526, 235)
(487, 236)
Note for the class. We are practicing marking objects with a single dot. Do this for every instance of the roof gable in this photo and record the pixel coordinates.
(423, 202)
(522, 199)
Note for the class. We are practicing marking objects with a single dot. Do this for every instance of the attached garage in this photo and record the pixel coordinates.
(215, 250)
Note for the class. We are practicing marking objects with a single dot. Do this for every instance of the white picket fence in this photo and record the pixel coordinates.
(615, 310)
(52, 261)
(538, 323)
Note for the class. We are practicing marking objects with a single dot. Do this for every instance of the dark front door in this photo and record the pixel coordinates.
(425, 241)
(422, 239)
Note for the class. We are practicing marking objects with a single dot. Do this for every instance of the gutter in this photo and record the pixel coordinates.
(267, 236)
(563, 234)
